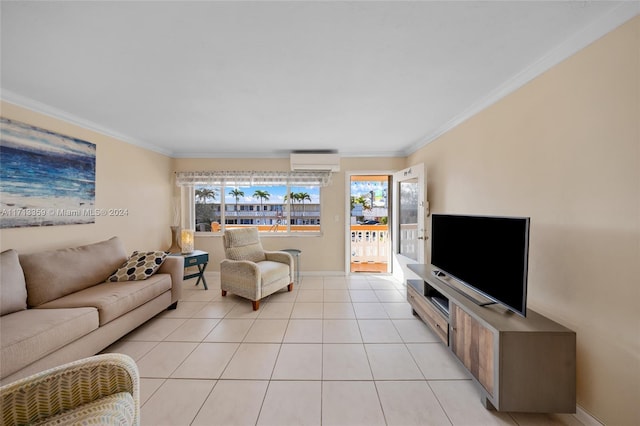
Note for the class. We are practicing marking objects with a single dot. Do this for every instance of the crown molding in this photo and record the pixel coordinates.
(41, 108)
(576, 42)
(229, 154)
(280, 154)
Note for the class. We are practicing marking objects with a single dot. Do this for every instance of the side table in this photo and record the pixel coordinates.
(296, 256)
(197, 258)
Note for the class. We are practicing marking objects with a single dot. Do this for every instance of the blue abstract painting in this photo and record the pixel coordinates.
(45, 178)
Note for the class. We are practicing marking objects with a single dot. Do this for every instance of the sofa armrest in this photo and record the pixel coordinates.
(174, 265)
(66, 387)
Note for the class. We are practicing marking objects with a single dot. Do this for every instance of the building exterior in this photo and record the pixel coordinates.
(257, 214)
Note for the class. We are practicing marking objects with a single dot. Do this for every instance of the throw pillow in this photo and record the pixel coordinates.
(13, 290)
(140, 266)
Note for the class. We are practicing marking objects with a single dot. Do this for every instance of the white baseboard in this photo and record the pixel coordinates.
(322, 273)
(302, 274)
(580, 417)
(585, 418)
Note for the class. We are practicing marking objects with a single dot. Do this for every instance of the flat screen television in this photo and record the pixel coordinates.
(488, 254)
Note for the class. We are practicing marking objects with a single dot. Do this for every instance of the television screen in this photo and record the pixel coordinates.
(488, 254)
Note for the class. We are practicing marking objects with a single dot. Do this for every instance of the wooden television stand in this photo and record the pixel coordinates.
(520, 364)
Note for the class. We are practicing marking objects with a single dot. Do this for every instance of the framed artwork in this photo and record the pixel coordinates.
(46, 178)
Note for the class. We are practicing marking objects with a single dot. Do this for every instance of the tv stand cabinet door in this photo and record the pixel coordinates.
(472, 343)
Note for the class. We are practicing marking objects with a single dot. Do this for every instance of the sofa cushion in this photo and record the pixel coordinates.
(114, 299)
(31, 334)
(13, 289)
(140, 266)
(53, 274)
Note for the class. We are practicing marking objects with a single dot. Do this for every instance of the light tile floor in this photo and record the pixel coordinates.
(335, 351)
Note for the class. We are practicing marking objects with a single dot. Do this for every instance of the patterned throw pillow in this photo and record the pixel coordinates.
(140, 266)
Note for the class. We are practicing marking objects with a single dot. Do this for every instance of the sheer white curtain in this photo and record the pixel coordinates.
(247, 178)
(187, 207)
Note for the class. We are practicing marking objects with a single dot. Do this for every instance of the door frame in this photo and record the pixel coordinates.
(400, 262)
(347, 217)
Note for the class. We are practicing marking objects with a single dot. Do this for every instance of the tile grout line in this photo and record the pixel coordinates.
(282, 342)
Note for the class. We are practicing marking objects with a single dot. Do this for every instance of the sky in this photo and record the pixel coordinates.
(277, 194)
(364, 188)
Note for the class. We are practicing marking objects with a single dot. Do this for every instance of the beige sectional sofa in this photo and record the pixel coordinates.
(56, 306)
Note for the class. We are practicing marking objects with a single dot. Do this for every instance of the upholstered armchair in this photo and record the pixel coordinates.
(251, 272)
(102, 389)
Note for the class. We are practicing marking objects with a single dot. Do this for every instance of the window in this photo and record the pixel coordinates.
(305, 207)
(274, 208)
(271, 201)
(207, 207)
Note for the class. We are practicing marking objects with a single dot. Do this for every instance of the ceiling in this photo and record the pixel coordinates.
(260, 79)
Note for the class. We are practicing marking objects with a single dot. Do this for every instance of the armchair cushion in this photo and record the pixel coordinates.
(243, 244)
(272, 271)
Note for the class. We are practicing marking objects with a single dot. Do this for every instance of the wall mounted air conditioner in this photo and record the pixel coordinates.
(315, 161)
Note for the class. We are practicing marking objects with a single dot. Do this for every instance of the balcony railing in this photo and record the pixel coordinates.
(270, 214)
(370, 243)
(216, 227)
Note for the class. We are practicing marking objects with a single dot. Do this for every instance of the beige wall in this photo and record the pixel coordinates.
(565, 150)
(319, 253)
(127, 177)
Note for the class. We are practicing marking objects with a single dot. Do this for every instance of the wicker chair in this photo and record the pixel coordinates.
(102, 389)
(251, 272)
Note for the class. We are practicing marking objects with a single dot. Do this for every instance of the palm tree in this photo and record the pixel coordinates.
(364, 201)
(263, 196)
(293, 196)
(302, 196)
(354, 201)
(203, 194)
(236, 193)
